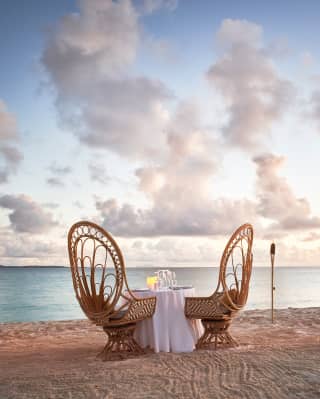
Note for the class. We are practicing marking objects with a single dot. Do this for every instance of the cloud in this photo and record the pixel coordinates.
(179, 189)
(59, 173)
(27, 216)
(124, 125)
(26, 247)
(159, 252)
(245, 76)
(55, 182)
(126, 221)
(314, 104)
(60, 170)
(10, 156)
(20, 249)
(312, 236)
(8, 124)
(239, 32)
(276, 200)
(150, 6)
(89, 58)
(180, 193)
(98, 173)
(102, 38)
(296, 255)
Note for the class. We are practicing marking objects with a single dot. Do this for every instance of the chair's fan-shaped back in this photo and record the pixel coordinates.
(236, 266)
(97, 268)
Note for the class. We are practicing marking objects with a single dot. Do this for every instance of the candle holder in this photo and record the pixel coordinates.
(152, 283)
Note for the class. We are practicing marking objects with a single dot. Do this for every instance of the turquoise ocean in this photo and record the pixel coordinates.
(46, 293)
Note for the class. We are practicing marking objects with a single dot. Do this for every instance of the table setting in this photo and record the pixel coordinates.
(168, 330)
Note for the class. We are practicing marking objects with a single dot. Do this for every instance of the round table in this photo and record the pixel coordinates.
(168, 330)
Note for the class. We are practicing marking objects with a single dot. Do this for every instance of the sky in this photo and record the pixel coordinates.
(170, 123)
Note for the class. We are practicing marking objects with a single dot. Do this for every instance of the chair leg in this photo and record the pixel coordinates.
(215, 334)
(121, 343)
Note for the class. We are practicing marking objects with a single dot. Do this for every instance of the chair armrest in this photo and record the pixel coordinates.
(204, 307)
(141, 308)
(130, 311)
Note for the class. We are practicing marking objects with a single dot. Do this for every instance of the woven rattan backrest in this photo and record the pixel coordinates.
(236, 266)
(97, 268)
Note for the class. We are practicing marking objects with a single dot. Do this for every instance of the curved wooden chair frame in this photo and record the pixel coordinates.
(101, 287)
(217, 311)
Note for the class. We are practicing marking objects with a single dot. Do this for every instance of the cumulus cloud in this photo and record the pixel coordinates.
(26, 215)
(175, 220)
(88, 58)
(239, 32)
(179, 189)
(245, 76)
(10, 156)
(276, 200)
(102, 38)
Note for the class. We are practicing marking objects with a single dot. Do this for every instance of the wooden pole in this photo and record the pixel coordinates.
(272, 256)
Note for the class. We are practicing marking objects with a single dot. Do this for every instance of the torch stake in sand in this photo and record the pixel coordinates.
(272, 255)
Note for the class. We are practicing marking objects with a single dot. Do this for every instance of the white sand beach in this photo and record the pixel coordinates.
(58, 360)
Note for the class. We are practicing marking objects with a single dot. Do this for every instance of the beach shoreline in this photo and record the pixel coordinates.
(57, 359)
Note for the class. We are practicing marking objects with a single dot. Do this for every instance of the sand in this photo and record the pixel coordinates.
(58, 360)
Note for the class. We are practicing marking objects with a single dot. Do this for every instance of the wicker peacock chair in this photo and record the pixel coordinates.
(101, 287)
(217, 311)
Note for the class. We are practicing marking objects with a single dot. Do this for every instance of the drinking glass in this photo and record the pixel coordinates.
(161, 279)
(174, 280)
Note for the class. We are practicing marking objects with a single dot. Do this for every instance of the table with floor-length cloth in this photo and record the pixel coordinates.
(169, 330)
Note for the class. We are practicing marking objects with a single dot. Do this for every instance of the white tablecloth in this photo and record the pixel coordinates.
(169, 330)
